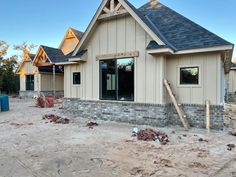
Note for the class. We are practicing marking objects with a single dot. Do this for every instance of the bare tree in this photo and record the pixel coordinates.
(3, 49)
(25, 48)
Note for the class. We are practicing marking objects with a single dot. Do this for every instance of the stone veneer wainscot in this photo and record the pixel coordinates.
(157, 115)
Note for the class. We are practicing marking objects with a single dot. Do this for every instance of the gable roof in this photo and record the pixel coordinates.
(30, 58)
(55, 55)
(131, 9)
(77, 33)
(178, 31)
(172, 30)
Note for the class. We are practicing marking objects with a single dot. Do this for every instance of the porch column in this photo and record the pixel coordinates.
(54, 81)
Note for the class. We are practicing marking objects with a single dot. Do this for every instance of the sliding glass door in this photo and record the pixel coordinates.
(117, 79)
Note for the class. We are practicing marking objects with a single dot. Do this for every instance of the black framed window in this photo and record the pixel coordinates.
(76, 78)
(117, 79)
(189, 75)
(30, 82)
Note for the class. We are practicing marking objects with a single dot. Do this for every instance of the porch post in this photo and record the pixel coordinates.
(54, 81)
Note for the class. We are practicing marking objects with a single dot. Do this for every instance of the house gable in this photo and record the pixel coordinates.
(41, 58)
(69, 42)
(108, 10)
(27, 58)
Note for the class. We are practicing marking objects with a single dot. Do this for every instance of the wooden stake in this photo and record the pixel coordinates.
(208, 118)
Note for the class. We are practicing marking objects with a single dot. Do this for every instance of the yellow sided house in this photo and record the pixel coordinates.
(138, 64)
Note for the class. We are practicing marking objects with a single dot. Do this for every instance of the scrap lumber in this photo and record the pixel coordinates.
(180, 112)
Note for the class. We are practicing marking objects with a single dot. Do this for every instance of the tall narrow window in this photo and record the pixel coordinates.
(76, 78)
(29, 82)
(117, 79)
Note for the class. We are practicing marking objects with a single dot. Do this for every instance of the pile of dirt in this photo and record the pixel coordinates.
(56, 119)
(152, 135)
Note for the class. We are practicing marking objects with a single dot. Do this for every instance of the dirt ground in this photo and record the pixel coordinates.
(32, 147)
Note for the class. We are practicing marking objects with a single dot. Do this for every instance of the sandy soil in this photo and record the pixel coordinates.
(32, 147)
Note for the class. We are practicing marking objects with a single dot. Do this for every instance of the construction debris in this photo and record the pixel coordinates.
(56, 119)
(152, 135)
(202, 140)
(230, 147)
(91, 124)
(135, 132)
(44, 102)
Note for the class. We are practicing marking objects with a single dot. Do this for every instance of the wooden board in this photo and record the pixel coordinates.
(117, 55)
(177, 107)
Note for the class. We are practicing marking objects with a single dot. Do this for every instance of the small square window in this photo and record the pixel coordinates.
(76, 78)
(189, 76)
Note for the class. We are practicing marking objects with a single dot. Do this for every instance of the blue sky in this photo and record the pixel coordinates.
(46, 21)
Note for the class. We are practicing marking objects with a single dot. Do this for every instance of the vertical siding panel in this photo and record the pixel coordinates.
(121, 33)
(131, 34)
(112, 36)
(211, 81)
(141, 64)
(103, 29)
(184, 95)
(150, 76)
(197, 93)
(95, 51)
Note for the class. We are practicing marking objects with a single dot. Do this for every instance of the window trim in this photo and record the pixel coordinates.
(100, 81)
(76, 85)
(189, 85)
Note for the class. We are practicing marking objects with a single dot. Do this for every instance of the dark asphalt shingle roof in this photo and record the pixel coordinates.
(55, 55)
(79, 54)
(154, 45)
(175, 30)
(31, 56)
(78, 33)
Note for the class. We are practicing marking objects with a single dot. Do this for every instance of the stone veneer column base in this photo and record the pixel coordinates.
(156, 115)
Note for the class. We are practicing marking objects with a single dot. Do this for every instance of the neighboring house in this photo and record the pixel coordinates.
(118, 69)
(36, 75)
(38, 79)
(232, 83)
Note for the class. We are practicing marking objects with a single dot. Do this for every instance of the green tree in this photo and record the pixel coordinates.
(9, 81)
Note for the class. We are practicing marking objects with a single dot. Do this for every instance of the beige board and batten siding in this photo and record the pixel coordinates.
(209, 87)
(117, 36)
(69, 45)
(28, 69)
(46, 82)
(232, 81)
